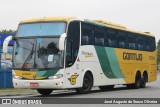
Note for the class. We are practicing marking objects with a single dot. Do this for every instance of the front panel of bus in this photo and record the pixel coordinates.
(37, 60)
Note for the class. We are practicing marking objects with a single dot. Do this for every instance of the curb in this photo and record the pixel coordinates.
(8, 95)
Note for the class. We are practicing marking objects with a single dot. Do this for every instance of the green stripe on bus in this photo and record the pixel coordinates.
(108, 61)
(47, 73)
(113, 60)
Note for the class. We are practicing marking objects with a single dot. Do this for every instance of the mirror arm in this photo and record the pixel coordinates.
(62, 41)
(5, 45)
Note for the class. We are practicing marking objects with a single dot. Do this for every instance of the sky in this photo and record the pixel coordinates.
(140, 15)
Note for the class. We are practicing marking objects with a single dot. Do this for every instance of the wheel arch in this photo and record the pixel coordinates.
(84, 72)
(137, 71)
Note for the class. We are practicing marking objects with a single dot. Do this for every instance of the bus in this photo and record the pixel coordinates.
(72, 53)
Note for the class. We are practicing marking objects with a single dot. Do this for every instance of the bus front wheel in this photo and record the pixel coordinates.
(45, 91)
(87, 84)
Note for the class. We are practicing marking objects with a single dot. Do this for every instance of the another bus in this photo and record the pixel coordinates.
(71, 53)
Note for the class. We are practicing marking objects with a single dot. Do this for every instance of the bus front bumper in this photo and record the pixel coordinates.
(39, 84)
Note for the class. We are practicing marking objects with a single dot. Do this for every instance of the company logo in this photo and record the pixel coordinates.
(132, 56)
(87, 54)
(73, 79)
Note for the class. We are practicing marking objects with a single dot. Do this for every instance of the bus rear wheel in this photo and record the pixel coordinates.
(137, 83)
(45, 91)
(87, 84)
(105, 88)
(144, 80)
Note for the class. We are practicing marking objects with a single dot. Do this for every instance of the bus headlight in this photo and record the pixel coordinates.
(58, 76)
(17, 77)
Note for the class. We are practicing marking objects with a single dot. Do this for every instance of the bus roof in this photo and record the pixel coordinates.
(98, 22)
(47, 19)
(118, 26)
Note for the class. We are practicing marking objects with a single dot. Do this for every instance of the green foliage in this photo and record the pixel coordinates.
(5, 31)
(158, 52)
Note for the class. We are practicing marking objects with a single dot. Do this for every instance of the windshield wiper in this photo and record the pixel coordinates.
(29, 57)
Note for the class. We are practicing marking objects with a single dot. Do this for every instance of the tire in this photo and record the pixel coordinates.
(129, 86)
(105, 88)
(45, 91)
(144, 80)
(137, 83)
(87, 84)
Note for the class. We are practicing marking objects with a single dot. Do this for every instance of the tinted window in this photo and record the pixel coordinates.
(87, 38)
(147, 48)
(73, 38)
(132, 41)
(122, 39)
(111, 38)
(152, 44)
(140, 42)
(98, 36)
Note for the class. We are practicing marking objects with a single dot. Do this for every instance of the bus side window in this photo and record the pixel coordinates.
(85, 40)
(86, 34)
(152, 44)
(72, 46)
(122, 39)
(147, 44)
(98, 36)
(69, 53)
(111, 38)
(132, 41)
(99, 41)
(140, 43)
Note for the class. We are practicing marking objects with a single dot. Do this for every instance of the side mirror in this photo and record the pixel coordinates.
(62, 41)
(5, 44)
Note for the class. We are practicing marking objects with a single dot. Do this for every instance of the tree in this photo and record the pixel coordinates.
(5, 31)
(158, 52)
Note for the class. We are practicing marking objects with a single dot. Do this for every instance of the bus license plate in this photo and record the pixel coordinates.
(34, 84)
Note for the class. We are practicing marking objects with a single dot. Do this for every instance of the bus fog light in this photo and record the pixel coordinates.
(17, 77)
(56, 76)
(61, 83)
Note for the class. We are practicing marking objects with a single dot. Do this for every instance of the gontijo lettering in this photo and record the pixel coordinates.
(132, 56)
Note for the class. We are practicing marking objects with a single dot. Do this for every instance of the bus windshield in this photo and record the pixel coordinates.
(39, 53)
(41, 29)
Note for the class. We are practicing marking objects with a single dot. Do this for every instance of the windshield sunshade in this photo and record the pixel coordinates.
(41, 29)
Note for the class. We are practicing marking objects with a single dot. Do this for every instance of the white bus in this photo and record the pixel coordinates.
(70, 53)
